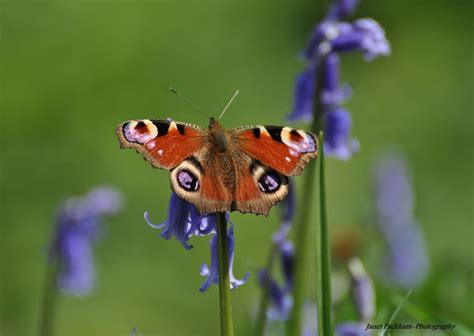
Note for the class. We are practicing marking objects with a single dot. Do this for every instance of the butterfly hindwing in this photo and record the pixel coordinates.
(205, 179)
(165, 144)
(257, 187)
(283, 149)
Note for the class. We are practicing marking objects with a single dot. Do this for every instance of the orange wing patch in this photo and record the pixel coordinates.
(165, 144)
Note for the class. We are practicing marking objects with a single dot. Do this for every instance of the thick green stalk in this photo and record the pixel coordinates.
(49, 301)
(224, 279)
(301, 254)
(323, 252)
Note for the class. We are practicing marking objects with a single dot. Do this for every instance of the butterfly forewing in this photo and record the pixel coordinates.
(284, 149)
(165, 144)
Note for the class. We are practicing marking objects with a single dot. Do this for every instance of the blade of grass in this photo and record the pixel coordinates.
(400, 304)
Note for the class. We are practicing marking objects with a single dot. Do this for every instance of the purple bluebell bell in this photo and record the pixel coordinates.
(280, 295)
(363, 292)
(407, 263)
(367, 36)
(77, 227)
(337, 141)
(183, 222)
(303, 96)
(212, 272)
(332, 93)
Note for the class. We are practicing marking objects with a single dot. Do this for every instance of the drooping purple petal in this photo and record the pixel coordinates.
(183, 222)
(212, 272)
(366, 35)
(332, 94)
(280, 298)
(303, 96)
(287, 253)
(337, 141)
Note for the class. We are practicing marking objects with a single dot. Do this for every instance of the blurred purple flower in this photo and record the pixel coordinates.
(77, 227)
(183, 222)
(367, 36)
(304, 92)
(212, 273)
(407, 264)
(337, 140)
(362, 290)
(280, 296)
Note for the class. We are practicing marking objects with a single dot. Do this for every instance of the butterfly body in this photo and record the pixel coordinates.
(244, 169)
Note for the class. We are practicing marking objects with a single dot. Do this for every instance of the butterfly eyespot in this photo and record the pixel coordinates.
(187, 180)
(269, 182)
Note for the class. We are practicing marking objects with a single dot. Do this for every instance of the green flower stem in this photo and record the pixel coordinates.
(49, 301)
(323, 254)
(224, 280)
(301, 254)
(303, 224)
(262, 310)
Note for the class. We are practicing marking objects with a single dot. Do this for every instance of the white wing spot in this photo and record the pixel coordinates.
(160, 152)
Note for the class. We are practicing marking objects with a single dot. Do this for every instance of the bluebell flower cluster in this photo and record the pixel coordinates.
(280, 295)
(407, 263)
(77, 228)
(184, 222)
(281, 299)
(330, 38)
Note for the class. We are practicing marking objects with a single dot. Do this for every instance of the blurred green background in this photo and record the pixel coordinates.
(72, 70)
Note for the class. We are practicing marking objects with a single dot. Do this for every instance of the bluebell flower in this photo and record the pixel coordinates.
(332, 93)
(363, 291)
(212, 272)
(337, 141)
(280, 295)
(367, 36)
(183, 222)
(407, 263)
(77, 227)
(331, 37)
(303, 96)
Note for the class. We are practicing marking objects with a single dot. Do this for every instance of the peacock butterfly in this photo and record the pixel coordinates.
(245, 168)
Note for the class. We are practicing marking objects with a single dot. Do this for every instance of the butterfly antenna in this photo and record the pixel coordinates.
(228, 104)
(173, 90)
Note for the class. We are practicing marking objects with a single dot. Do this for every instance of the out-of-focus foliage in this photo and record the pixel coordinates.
(72, 70)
